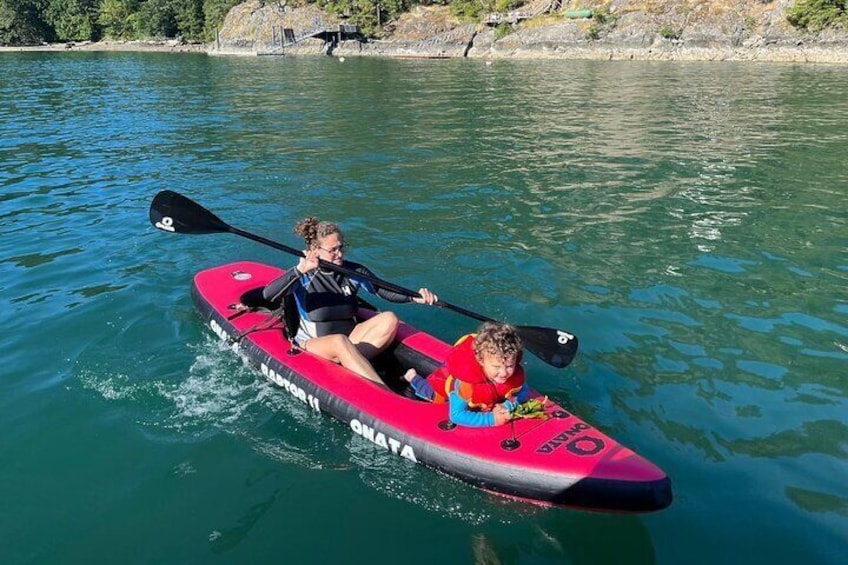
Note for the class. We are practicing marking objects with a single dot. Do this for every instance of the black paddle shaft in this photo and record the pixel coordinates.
(173, 212)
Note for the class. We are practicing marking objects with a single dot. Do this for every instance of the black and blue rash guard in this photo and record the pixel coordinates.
(326, 300)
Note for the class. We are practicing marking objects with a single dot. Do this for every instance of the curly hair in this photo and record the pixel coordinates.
(498, 339)
(311, 230)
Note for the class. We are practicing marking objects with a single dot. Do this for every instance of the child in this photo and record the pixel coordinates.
(482, 378)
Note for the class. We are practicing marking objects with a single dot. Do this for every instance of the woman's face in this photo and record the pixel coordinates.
(496, 367)
(331, 248)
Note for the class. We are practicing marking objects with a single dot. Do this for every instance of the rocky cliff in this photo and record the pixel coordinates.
(616, 29)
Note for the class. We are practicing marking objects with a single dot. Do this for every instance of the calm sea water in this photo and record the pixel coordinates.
(688, 221)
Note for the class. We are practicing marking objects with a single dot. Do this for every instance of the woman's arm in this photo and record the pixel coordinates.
(373, 289)
(275, 289)
(427, 296)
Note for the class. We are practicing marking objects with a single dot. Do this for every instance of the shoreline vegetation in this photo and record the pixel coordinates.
(627, 30)
(165, 45)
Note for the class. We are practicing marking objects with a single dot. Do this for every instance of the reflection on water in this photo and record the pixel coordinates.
(813, 501)
(826, 437)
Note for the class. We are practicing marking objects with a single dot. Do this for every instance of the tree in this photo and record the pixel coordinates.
(214, 12)
(119, 19)
(816, 15)
(189, 16)
(158, 19)
(21, 23)
(73, 20)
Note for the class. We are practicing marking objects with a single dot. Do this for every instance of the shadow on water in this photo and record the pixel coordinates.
(562, 537)
(228, 539)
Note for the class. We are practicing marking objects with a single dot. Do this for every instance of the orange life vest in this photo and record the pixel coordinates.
(462, 372)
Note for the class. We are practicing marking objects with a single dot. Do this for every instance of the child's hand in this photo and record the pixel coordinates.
(502, 414)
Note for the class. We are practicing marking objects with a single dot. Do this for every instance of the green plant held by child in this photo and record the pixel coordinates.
(533, 408)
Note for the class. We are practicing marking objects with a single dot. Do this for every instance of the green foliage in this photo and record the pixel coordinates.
(369, 15)
(21, 22)
(816, 15)
(603, 20)
(137, 19)
(669, 33)
(214, 12)
(472, 9)
(502, 30)
(119, 19)
(603, 16)
(189, 16)
(158, 18)
(73, 20)
(26, 22)
(506, 5)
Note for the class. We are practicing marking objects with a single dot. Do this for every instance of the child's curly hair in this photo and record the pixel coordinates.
(311, 230)
(498, 339)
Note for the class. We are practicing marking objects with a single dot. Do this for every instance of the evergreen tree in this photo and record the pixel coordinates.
(21, 23)
(158, 18)
(119, 19)
(189, 16)
(214, 12)
(73, 20)
(816, 15)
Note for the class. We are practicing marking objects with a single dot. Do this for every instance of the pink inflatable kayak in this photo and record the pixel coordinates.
(561, 460)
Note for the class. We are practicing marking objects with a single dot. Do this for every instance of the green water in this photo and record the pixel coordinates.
(686, 221)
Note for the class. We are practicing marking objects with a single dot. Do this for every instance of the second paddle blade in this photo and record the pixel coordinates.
(555, 347)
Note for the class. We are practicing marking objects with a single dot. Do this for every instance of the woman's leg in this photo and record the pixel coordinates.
(339, 349)
(375, 334)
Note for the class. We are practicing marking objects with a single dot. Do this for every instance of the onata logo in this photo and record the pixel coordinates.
(382, 440)
(582, 445)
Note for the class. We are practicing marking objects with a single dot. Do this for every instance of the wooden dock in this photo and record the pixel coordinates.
(284, 37)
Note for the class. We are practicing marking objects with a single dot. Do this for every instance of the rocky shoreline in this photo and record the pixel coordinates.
(722, 31)
(759, 34)
(833, 54)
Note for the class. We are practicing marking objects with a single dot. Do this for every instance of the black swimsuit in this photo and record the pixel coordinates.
(326, 300)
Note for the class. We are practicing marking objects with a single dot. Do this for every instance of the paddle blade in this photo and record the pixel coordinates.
(175, 213)
(554, 347)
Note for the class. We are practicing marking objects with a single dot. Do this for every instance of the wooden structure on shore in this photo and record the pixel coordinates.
(284, 37)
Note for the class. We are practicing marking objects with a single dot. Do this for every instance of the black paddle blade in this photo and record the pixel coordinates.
(175, 213)
(554, 347)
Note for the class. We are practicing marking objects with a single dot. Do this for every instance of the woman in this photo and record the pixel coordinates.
(326, 302)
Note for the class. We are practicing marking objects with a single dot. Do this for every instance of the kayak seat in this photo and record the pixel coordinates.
(254, 300)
